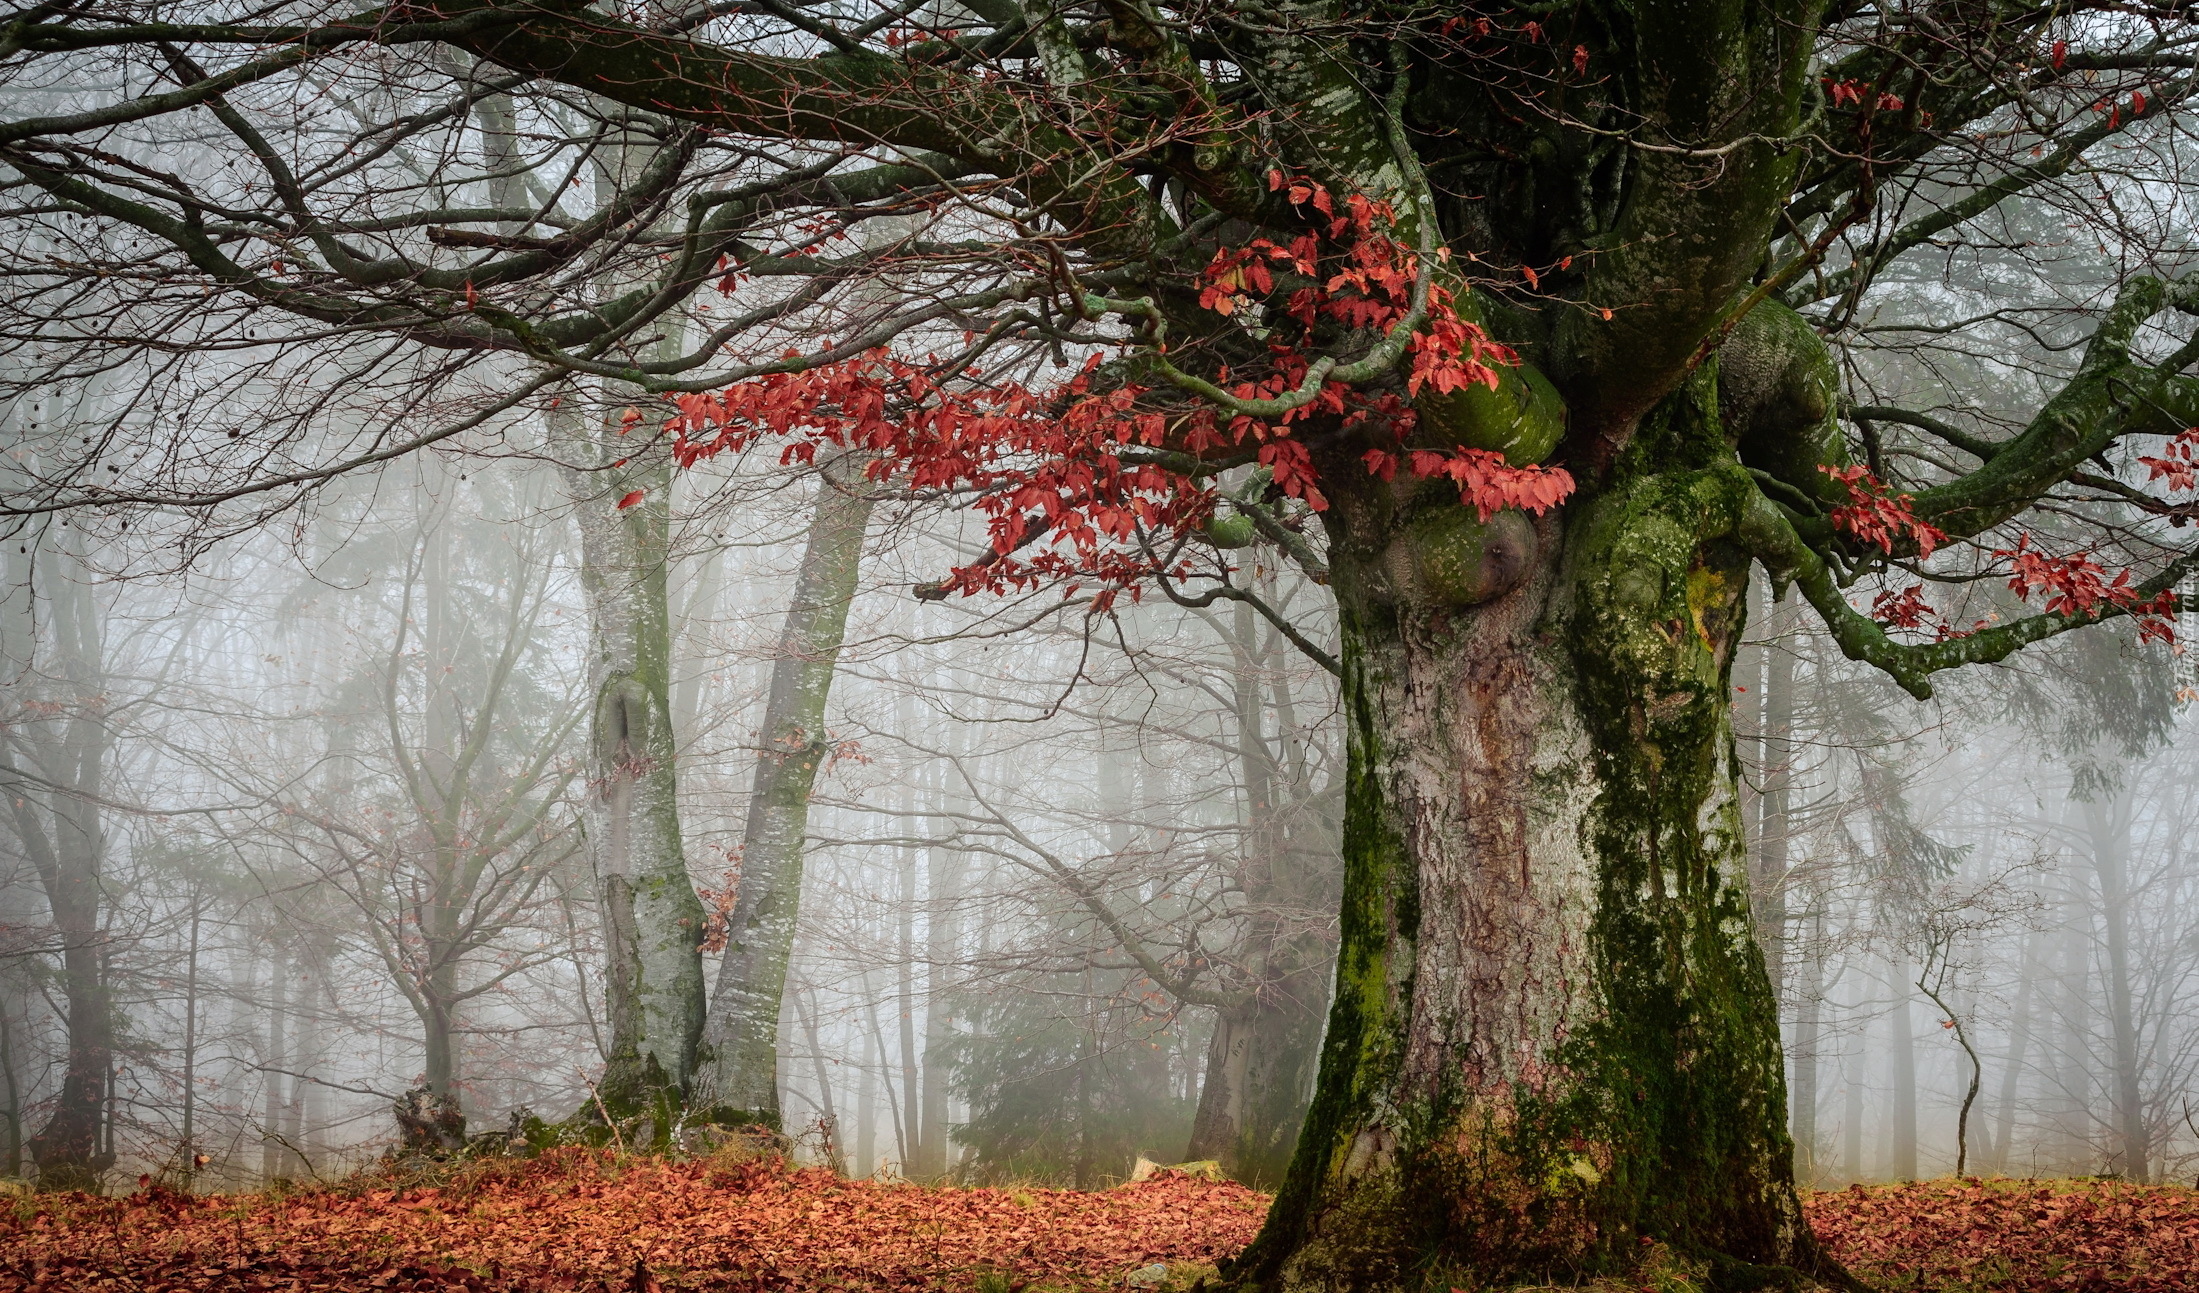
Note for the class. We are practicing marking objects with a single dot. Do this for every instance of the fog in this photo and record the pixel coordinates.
(324, 792)
(356, 784)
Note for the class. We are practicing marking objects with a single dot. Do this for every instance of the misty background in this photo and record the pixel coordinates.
(299, 784)
(265, 755)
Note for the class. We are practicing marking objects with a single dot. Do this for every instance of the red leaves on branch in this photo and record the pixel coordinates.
(574, 1221)
(2014, 1236)
(2077, 587)
(1904, 610)
(1056, 465)
(1908, 609)
(2175, 463)
(2074, 585)
(1878, 516)
(1066, 463)
(1489, 485)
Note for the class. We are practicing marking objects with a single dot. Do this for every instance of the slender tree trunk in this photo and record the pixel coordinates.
(653, 924)
(945, 871)
(2019, 1044)
(1262, 1058)
(1903, 1055)
(866, 1109)
(188, 1151)
(1851, 1110)
(275, 1059)
(652, 920)
(298, 1115)
(893, 1101)
(1809, 1032)
(828, 1114)
(743, 1029)
(905, 985)
(1768, 881)
(1553, 1033)
(59, 827)
(14, 1095)
(2108, 825)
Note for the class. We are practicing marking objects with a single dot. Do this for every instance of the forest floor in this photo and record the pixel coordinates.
(582, 1220)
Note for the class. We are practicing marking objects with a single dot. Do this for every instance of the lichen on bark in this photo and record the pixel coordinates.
(1553, 1036)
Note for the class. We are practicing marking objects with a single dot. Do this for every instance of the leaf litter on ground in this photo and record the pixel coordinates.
(577, 1220)
(2014, 1236)
(580, 1220)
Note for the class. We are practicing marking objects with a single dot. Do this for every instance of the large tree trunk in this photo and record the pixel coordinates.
(1553, 1034)
(742, 1075)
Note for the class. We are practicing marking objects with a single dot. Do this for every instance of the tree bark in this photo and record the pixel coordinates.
(945, 871)
(58, 824)
(653, 923)
(2108, 826)
(1903, 1163)
(277, 1058)
(742, 1033)
(1553, 1034)
(1260, 1070)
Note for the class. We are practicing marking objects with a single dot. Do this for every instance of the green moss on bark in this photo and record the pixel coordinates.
(1658, 1111)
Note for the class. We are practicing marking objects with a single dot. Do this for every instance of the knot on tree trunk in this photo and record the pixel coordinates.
(428, 1123)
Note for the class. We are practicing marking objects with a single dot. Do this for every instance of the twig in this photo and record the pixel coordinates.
(616, 1140)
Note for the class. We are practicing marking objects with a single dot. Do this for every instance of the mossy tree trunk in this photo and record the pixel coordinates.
(741, 1074)
(653, 923)
(1553, 1034)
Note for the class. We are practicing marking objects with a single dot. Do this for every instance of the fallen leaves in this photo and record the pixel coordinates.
(2017, 1236)
(577, 1220)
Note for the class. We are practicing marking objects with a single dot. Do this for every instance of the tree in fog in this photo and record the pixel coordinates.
(743, 1027)
(448, 822)
(53, 767)
(1528, 319)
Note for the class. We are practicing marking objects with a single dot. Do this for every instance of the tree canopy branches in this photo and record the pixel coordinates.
(209, 205)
